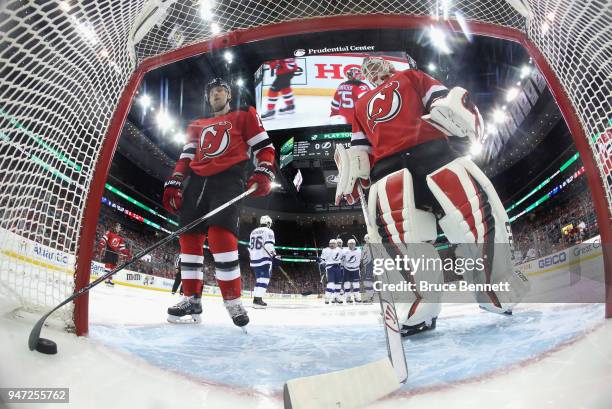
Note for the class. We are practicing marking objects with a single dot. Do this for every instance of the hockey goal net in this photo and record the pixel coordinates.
(70, 68)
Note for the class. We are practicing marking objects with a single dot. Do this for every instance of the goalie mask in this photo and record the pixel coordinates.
(354, 74)
(377, 70)
(265, 221)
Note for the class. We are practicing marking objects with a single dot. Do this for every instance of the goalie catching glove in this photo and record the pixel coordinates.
(456, 115)
(353, 167)
(263, 176)
(173, 194)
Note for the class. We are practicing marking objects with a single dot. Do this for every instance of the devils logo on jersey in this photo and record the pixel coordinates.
(215, 139)
(384, 105)
(115, 242)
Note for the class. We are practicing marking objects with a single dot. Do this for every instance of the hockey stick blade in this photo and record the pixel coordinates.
(35, 333)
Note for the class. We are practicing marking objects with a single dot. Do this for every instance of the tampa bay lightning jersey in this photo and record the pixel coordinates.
(331, 256)
(261, 246)
(352, 259)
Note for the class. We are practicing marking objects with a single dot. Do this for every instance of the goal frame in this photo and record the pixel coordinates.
(336, 23)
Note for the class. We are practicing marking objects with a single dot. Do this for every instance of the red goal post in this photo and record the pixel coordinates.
(558, 51)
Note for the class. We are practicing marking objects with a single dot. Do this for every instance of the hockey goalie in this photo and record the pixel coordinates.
(400, 150)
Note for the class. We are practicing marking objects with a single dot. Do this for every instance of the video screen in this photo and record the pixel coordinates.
(314, 90)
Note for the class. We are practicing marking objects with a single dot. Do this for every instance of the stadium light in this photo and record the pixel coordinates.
(445, 6)
(499, 116)
(206, 7)
(164, 121)
(240, 82)
(65, 6)
(438, 39)
(525, 70)
(144, 101)
(476, 149)
(431, 67)
(275, 185)
(229, 57)
(512, 94)
(180, 138)
(215, 28)
(87, 31)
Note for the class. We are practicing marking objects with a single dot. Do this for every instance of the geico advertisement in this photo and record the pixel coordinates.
(576, 254)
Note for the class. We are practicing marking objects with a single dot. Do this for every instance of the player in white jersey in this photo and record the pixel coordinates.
(340, 245)
(331, 257)
(368, 270)
(262, 253)
(352, 261)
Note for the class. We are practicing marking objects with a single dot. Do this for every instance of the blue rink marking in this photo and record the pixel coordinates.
(460, 348)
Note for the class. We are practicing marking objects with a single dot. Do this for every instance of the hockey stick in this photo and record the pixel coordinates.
(305, 293)
(395, 348)
(36, 342)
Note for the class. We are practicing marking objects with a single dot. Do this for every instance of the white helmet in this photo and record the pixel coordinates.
(339, 241)
(377, 70)
(351, 243)
(332, 242)
(265, 220)
(366, 238)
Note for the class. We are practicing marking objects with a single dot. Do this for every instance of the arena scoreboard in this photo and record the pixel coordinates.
(314, 147)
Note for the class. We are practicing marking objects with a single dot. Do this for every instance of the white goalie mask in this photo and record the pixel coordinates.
(376, 70)
(265, 221)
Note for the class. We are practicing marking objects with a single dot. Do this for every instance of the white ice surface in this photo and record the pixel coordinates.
(556, 356)
(309, 111)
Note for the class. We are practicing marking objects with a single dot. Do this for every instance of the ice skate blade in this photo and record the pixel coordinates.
(187, 319)
(258, 307)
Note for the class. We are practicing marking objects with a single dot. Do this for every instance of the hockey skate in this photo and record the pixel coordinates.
(268, 114)
(289, 109)
(187, 311)
(237, 312)
(408, 330)
(109, 283)
(258, 303)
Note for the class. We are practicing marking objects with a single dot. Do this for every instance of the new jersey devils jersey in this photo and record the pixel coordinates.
(388, 118)
(346, 96)
(215, 144)
(284, 66)
(114, 243)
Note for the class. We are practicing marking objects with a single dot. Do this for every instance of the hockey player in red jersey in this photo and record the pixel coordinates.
(347, 93)
(400, 150)
(215, 160)
(284, 70)
(113, 245)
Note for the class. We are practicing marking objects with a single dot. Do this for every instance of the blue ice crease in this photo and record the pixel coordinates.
(460, 348)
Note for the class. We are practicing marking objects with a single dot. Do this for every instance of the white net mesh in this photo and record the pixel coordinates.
(64, 65)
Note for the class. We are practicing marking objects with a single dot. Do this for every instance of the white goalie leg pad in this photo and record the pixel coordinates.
(410, 229)
(414, 308)
(476, 220)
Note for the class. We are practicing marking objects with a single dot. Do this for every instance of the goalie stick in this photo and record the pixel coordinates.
(361, 385)
(48, 346)
(395, 348)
